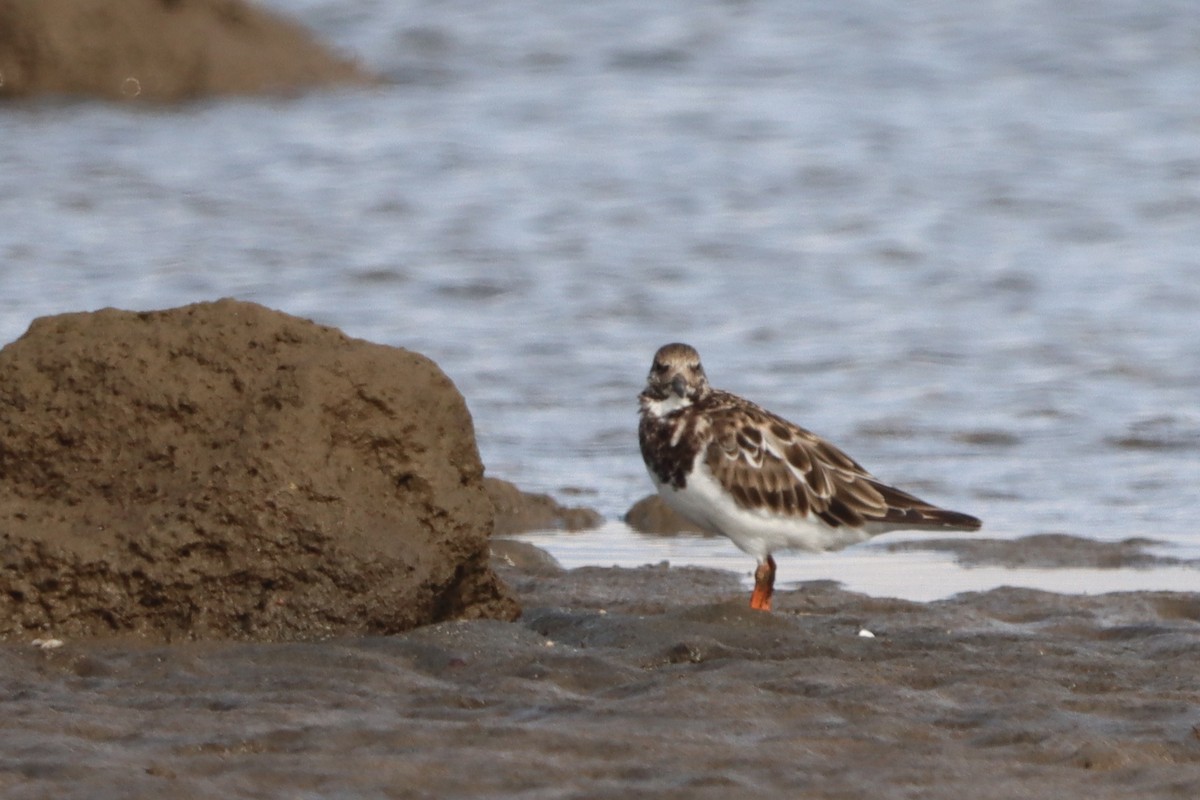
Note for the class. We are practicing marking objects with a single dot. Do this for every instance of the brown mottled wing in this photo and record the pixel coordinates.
(770, 464)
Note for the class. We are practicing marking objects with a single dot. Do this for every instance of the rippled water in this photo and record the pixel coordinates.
(960, 240)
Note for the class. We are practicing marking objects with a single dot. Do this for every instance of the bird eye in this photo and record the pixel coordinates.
(660, 367)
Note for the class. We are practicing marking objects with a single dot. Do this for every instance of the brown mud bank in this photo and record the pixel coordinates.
(519, 512)
(222, 470)
(160, 50)
(652, 682)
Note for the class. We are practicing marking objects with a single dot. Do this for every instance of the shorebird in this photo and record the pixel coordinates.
(732, 467)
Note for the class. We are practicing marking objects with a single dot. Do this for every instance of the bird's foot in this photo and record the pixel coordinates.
(764, 585)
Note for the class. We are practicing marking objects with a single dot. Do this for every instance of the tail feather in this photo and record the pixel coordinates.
(909, 512)
(952, 520)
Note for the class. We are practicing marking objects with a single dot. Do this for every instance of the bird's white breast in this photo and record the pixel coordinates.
(705, 502)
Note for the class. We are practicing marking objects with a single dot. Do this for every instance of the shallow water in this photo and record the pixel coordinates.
(960, 241)
(871, 568)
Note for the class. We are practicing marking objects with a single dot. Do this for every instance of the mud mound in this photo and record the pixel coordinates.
(1050, 551)
(519, 512)
(158, 50)
(652, 515)
(223, 470)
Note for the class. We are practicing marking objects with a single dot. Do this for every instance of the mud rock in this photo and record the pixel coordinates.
(518, 511)
(1049, 550)
(226, 471)
(159, 50)
(652, 515)
(523, 557)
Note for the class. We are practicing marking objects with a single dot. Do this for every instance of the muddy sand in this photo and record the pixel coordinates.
(651, 682)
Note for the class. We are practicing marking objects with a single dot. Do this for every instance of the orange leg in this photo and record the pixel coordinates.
(764, 585)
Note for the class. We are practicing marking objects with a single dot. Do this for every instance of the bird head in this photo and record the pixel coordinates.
(676, 375)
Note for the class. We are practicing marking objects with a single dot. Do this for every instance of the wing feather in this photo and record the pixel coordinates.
(771, 465)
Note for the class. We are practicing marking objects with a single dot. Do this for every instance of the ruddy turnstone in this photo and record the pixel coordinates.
(737, 469)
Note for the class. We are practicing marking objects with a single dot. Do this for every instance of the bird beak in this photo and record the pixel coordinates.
(679, 385)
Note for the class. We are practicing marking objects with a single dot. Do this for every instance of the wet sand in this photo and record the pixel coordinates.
(1051, 551)
(651, 682)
